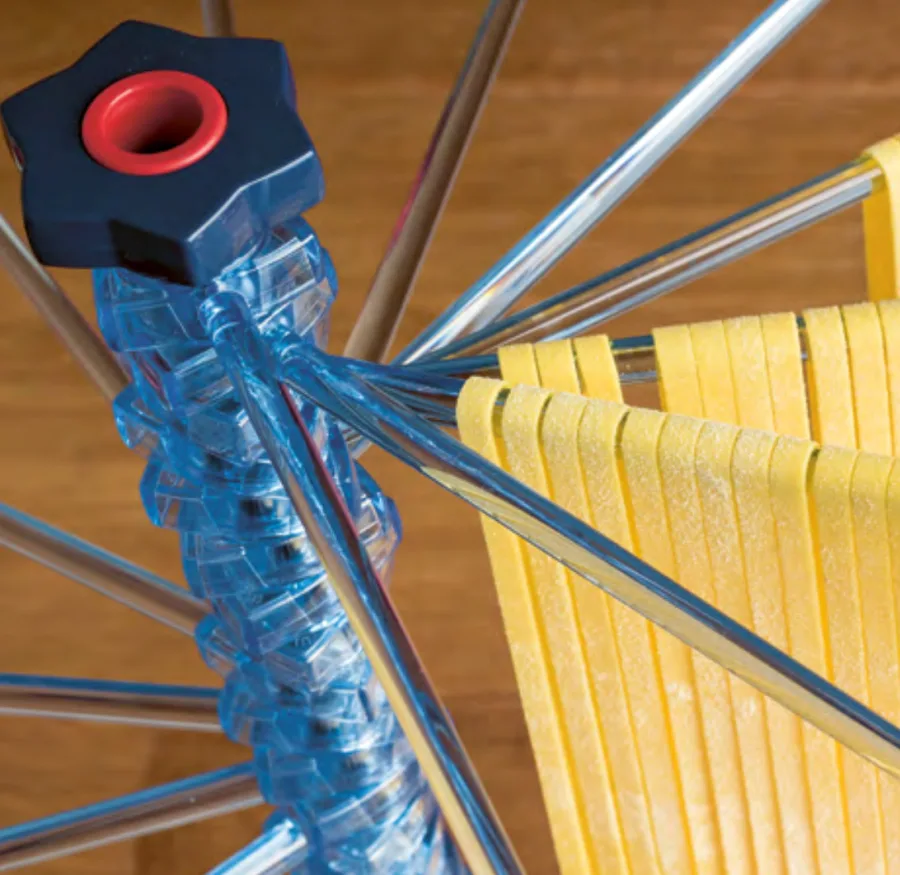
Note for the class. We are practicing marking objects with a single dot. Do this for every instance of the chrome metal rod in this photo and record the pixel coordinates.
(426, 385)
(328, 383)
(432, 389)
(670, 267)
(530, 259)
(441, 381)
(486, 365)
(60, 314)
(127, 817)
(158, 705)
(101, 571)
(280, 850)
(635, 359)
(218, 17)
(431, 395)
(329, 526)
(392, 285)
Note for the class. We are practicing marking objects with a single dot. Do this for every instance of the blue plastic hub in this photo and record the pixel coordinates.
(170, 225)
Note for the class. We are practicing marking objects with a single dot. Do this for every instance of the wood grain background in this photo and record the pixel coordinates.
(372, 76)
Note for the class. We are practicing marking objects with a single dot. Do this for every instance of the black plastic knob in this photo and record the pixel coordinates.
(162, 152)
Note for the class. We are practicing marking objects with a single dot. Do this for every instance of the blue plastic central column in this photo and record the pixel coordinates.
(166, 231)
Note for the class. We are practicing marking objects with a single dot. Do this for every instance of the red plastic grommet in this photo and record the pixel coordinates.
(153, 123)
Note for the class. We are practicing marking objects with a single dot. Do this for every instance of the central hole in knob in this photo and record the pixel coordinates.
(154, 123)
(150, 120)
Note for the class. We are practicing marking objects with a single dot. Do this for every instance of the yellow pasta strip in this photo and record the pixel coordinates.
(639, 441)
(673, 765)
(677, 446)
(556, 366)
(559, 434)
(518, 365)
(524, 630)
(747, 354)
(784, 363)
(879, 620)
(828, 370)
(892, 514)
(598, 438)
(788, 478)
(868, 374)
(597, 368)
(713, 464)
(830, 489)
(881, 223)
(750, 480)
(521, 420)
(711, 356)
(889, 312)
(679, 386)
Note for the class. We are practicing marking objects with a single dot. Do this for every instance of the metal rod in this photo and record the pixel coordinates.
(426, 387)
(158, 705)
(328, 383)
(635, 357)
(651, 276)
(487, 365)
(392, 285)
(127, 817)
(442, 381)
(431, 395)
(329, 526)
(101, 571)
(60, 314)
(218, 17)
(534, 255)
(280, 850)
(432, 389)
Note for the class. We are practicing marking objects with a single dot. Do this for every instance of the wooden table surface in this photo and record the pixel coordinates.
(372, 76)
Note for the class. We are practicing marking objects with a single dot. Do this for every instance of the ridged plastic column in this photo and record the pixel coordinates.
(194, 172)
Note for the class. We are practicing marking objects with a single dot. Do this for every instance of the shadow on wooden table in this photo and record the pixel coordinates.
(201, 846)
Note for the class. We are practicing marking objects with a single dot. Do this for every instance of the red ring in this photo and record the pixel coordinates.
(154, 123)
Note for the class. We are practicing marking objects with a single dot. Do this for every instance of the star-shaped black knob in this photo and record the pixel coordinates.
(162, 152)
